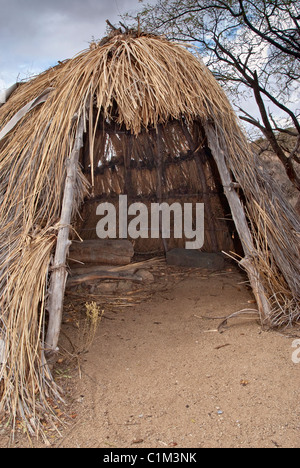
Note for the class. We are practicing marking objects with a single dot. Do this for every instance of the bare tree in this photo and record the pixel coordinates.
(249, 45)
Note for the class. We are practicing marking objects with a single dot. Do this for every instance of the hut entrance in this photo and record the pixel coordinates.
(171, 164)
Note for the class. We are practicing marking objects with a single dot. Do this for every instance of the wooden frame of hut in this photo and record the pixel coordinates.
(156, 103)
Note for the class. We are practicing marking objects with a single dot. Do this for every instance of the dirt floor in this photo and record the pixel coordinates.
(159, 373)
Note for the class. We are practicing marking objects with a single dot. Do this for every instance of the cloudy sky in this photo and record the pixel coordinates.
(35, 34)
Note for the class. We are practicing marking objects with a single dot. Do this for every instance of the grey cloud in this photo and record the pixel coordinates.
(23, 19)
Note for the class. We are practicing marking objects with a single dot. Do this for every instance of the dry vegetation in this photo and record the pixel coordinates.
(274, 166)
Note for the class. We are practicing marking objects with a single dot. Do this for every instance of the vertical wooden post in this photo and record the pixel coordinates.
(59, 273)
(240, 220)
(159, 190)
(206, 198)
(127, 165)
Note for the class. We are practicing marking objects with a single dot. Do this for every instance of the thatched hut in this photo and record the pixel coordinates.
(133, 114)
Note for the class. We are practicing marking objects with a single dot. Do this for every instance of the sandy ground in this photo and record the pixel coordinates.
(160, 375)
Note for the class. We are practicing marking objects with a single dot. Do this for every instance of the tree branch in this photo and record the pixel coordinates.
(264, 36)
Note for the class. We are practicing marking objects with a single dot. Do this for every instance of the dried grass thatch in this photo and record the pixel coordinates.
(136, 82)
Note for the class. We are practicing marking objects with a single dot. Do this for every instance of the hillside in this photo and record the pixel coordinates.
(271, 162)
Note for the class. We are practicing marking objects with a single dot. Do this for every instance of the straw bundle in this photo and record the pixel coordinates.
(136, 82)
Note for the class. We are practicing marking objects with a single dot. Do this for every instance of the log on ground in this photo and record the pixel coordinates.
(102, 252)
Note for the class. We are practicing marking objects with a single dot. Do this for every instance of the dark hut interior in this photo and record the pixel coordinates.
(172, 163)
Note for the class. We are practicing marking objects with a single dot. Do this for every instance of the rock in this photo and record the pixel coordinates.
(146, 276)
(195, 259)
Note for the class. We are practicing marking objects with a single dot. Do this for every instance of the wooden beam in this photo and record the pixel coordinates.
(22, 112)
(59, 270)
(102, 251)
(206, 198)
(128, 189)
(102, 275)
(159, 189)
(240, 220)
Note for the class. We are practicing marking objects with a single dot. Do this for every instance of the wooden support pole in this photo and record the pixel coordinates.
(128, 189)
(59, 273)
(206, 198)
(240, 220)
(159, 191)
